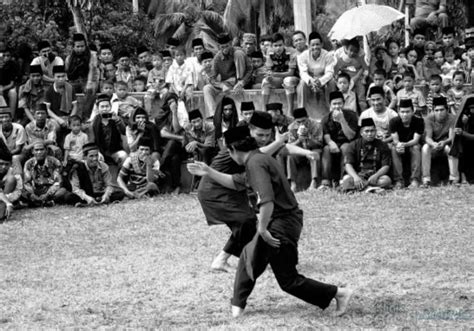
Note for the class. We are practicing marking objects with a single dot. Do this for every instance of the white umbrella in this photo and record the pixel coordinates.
(361, 20)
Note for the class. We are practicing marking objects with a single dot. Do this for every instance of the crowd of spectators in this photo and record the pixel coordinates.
(104, 124)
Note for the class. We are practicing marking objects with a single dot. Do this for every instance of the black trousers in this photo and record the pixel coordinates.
(242, 234)
(171, 161)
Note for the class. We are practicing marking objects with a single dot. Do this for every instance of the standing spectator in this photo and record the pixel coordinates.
(406, 131)
(47, 60)
(234, 69)
(457, 93)
(74, 141)
(31, 93)
(316, 69)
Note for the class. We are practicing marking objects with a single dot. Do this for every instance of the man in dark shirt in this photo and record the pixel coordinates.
(339, 128)
(31, 94)
(8, 74)
(234, 69)
(278, 231)
(406, 131)
(367, 161)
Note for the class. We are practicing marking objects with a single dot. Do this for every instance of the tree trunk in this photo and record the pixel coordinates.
(135, 6)
(78, 20)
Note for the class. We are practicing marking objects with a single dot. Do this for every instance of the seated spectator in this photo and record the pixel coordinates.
(406, 131)
(167, 56)
(106, 58)
(107, 131)
(139, 127)
(47, 60)
(468, 60)
(14, 136)
(137, 178)
(306, 133)
(316, 68)
(380, 79)
(74, 141)
(126, 72)
(8, 94)
(394, 60)
(448, 39)
(463, 145)
(179, 77)
(457, 92)
(343, 83)
(139, 84)
(43, 129)
(200, 138)
(418, 42)
(157, 75)
(247, 109)
(429, 13)
(172, 141)
(144, 56)
(42, 179)
(379, 113)
(249, 43)
(123, 103)
(298, 39)
(439, 133)
(280, 120)
(410, 92)
(31, 94)
(194, 61)
(203, 76)
(234, 69)
(110, 72)
(226, 117)
(412, 63)
(171, 45)
(281, 65)
(91, 180)
(259, 72)
(82, 66)
(367, 161)
(11, 186)
(428, 62)
(339, 128)
(434, 91)
(265, 44)
(449, 67)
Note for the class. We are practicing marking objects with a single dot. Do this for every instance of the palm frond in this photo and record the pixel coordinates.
(235, 12)
(167, 21)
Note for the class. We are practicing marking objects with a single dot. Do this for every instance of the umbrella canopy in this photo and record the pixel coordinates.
(361, 20)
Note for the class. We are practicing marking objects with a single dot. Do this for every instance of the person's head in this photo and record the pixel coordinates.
(79, 45)
(469, 44)
(44, 48)
(257, 59)
(105, 54)
(435, 83)
(379, 77)
(228, 108)
(198, 47)
(144, 147)
(107, 87)
(157, 61)
(459, 78)
(265, 43)
(247, 109)
(171, 45)
(412, 55)
(140, 116)
(419, 38)
(139, 84)
(123, 59)
(449, 55)
(261, 125)
(278, 43)
(167, 58)
(351, 47)
(205, 59)
(336, 101)
(300, 115)
(335, 44)
(5, 162)
(109, 71)
(448, 36)
(275, 110)
(103, 105)
(439, 57)
(430, 48)
(440, 109)
(343, 81)
(239, 143)
(393, 47)
(59, 75)
(75, 124)
(170, 102)
(144, 55)
(36, 74)
(225, 43)
(406, 110)
(368, 130)
(377, 98)
(408, 80)
(249, 43)
(380, 52)
(315, 42)
(39, 150)
(121, 89)
(180, 55)
(469, 32)
(91, 154)
(40, 114)
(299, 40)
(6, 118)
(195, 119)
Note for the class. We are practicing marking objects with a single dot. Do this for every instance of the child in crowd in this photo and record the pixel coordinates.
(468, 59)
(167, 60)
(449, 67)
(379, 79)
(139, 84)
(205, 60)
(126, 72)
(158, 72)
(179, 77)
(265, 44)
(418, 42)
(393, 48)
(259, 70)
(457, 92)
(122, 103)
(429, 65)
(412, 63)
(343, 82)
(409, 92)
(74, 141)
(435, 91)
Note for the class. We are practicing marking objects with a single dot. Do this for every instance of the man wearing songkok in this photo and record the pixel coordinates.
(46, 60)
(31, 94)
(339, 128)
(306, 133)
(11, 186)
(14, 136)
(280, 120)
(199, 138)
(439, 134)
(247, 108)
(367, 161)
(406, 131)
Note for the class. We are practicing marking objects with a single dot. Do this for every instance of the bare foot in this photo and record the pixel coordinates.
(237, 311)
(343, 296)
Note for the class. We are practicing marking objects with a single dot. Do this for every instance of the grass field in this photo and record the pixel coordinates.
(145, 264)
